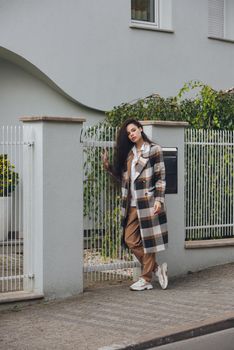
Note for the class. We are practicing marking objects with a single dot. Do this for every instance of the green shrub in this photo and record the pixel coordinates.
(8, 177)
(207, 109)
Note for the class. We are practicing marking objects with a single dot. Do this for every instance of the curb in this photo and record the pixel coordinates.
(12, 297)
(172, 335)
(18, 300)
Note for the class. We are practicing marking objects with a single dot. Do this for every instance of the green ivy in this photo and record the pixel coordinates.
(206, 109)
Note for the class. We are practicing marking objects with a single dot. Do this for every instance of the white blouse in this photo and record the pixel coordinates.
(144, 148)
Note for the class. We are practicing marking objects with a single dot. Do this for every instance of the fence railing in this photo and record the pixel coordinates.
(13, 219)
(209, 193)
(209, 184)
(104, 258)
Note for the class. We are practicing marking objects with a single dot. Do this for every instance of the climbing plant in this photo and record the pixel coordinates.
(197, 103)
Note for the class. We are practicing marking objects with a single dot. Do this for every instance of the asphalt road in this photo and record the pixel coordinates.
(223, 340)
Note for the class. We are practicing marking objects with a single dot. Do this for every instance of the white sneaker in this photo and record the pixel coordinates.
(161, 273)
(141, 284)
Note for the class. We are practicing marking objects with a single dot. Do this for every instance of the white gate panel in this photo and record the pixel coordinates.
(104, 257)
(209, 179)
(12, 235)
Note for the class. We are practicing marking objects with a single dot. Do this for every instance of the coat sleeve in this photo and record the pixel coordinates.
(159, 173)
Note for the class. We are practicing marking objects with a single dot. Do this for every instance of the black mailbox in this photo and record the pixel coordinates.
(170, 160)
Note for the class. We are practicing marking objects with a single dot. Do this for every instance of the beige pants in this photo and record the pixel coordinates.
(134, 242)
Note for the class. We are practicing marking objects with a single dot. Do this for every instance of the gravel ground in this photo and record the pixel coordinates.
(11, 266)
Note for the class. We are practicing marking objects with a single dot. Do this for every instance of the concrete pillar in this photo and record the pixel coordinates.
(57, 225)
(171, 134)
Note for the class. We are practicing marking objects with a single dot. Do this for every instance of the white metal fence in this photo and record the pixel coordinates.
(209, 197)
(15, 223)
(209, 179)
(104, 258)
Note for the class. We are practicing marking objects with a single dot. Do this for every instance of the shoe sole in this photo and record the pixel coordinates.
(140, 290)
(165, 277)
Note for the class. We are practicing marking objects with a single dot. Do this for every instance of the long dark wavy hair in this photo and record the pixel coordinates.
(123, 147)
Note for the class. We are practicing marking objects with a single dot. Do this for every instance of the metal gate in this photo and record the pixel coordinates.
(104, 258)
(209, 184)
(209, 197)
(15, 223)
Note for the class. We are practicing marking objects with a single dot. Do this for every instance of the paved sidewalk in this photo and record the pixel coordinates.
(114, 317)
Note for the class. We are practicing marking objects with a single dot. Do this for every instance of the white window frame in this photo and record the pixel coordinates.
(163, 17)
(156, 22)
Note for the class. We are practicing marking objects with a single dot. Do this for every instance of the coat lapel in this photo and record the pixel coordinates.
(140, 165)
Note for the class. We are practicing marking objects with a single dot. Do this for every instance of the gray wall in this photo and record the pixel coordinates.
(22, 94)
(57, 217)
(55, 241)
(88, 49)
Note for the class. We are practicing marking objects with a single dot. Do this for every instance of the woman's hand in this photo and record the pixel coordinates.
(105, 161)
(157, 207)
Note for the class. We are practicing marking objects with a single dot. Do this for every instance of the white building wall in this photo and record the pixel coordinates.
(89, 50)
(23, 94)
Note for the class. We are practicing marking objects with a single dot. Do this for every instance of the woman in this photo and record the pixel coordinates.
(138, 164)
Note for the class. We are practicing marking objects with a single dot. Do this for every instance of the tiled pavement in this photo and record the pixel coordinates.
(113, 316)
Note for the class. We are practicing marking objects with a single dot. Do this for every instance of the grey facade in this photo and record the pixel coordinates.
(80, 58)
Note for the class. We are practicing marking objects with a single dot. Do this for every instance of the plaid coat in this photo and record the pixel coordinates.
(149, 187)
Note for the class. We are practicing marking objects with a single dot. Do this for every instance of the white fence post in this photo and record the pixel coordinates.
(171, 134)
(57, 217)
(28, 193)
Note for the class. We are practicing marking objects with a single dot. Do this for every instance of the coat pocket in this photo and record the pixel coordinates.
(150, 191)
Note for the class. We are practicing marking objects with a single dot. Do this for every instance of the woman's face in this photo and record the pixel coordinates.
(134, 133)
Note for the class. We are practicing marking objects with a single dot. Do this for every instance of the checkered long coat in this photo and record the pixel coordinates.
(150, 186)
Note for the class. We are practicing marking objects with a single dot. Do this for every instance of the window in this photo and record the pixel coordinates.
(220, 19)
(145, 11)
(151, 13)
